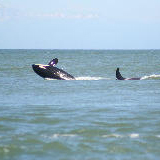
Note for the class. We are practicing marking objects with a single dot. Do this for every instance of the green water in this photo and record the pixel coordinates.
(94, 117)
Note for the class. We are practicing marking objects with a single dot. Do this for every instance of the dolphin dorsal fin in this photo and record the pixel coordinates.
(118, 75)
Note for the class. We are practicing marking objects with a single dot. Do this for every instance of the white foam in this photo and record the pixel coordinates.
(63, 135)
(112, 135)
(49, 79)
(158, 136)
(81, 78)
(153, 76)
(90, 78)
(5, 150)
(57, 135)
(134, 135)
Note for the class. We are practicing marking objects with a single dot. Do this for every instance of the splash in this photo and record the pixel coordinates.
(84, 78)
(49, 79)
(153, 76)
(91, 78)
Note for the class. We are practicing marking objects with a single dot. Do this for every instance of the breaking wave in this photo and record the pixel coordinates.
(153, 76)
(92, 78)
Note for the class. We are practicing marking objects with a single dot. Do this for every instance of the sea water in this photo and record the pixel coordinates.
(94, 117)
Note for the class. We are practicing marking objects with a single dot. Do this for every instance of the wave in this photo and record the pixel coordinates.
(92, 78)
(133, 135)
(153, 76)
(112, 135)
(57, 135)
(49, 79)
(85, 78)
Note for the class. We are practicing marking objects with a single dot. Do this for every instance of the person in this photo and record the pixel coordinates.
(53, 62)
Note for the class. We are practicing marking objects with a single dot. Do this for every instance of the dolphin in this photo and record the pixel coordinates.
(50, 71)
(119, 76)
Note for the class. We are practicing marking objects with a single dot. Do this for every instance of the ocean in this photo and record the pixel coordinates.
(94, 117)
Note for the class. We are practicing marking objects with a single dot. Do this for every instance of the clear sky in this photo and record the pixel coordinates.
(80, 24)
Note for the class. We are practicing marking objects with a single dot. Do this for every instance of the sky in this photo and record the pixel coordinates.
(80, 24)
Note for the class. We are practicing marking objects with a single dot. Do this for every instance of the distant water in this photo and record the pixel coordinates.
(94, 117)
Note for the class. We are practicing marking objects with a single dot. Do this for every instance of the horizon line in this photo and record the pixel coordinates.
(77, 49)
